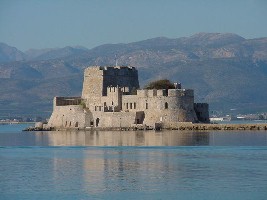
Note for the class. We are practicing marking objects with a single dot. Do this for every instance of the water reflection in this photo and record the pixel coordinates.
(132, 170)
(133, 138)
(118, 138)
(151, 170)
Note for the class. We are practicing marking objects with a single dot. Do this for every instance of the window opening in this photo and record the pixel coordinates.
(166, 105)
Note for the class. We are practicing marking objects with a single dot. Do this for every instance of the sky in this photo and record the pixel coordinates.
(37, 24)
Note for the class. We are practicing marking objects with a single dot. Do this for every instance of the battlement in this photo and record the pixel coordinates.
(165, 92)
(111, 89)
(111, 98)
(97, 79)
(110, 67)
(109, 70)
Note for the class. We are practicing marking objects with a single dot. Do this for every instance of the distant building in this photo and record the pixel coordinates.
(111, 98)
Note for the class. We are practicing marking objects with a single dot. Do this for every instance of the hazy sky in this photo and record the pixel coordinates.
(29, 24)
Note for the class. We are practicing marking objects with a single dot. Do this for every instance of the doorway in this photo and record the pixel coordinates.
(97, 122)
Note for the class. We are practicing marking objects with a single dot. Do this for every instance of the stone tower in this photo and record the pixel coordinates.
(97, 79)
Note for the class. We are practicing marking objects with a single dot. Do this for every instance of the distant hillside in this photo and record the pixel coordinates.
(224, 69)
(47, 54)
(9, 54)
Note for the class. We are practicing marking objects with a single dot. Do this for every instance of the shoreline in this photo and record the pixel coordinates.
(218, 127)
(4, 123)
(183, 126)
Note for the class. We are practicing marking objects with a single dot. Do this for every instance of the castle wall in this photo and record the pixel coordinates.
(202, 112)
(92, 86)
(162, 105)
(109, 102)
(120, 76)
(98, 80)
(71, 116)
(114, 119)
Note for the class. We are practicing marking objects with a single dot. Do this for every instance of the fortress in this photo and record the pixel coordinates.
(111, 98)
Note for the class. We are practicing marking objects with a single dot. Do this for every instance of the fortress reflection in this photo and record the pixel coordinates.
(122, 138)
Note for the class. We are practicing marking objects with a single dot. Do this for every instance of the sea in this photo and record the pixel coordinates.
(132, 164)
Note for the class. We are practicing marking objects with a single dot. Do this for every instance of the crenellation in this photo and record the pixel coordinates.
(108, 101)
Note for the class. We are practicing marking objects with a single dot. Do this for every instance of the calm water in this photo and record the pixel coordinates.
(132, 165)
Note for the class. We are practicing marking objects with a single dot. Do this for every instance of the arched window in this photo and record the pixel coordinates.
(166, 105)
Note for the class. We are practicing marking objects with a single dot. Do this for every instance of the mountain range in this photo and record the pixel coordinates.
(225, 70)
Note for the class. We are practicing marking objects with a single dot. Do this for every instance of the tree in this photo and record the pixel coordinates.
(160, 84)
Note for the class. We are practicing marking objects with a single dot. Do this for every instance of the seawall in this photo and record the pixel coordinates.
(186, 126)
(214, 127)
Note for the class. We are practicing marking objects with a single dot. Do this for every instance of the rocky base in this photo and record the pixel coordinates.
(180, 126)
(38, 129)
(214, 127)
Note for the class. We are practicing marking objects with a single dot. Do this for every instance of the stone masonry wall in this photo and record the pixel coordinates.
(162, 106)
(109, 103)
(92, 86)
(120, 76)
(71, 116)
(202, 112)
(98, 79)
(114, 119)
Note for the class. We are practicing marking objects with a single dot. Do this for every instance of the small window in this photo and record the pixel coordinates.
(95, 108)
(166, 105)
(70, 124)
(127, 106)
(134, 105)
(146, 105)
(131, 105)
(76, 124)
